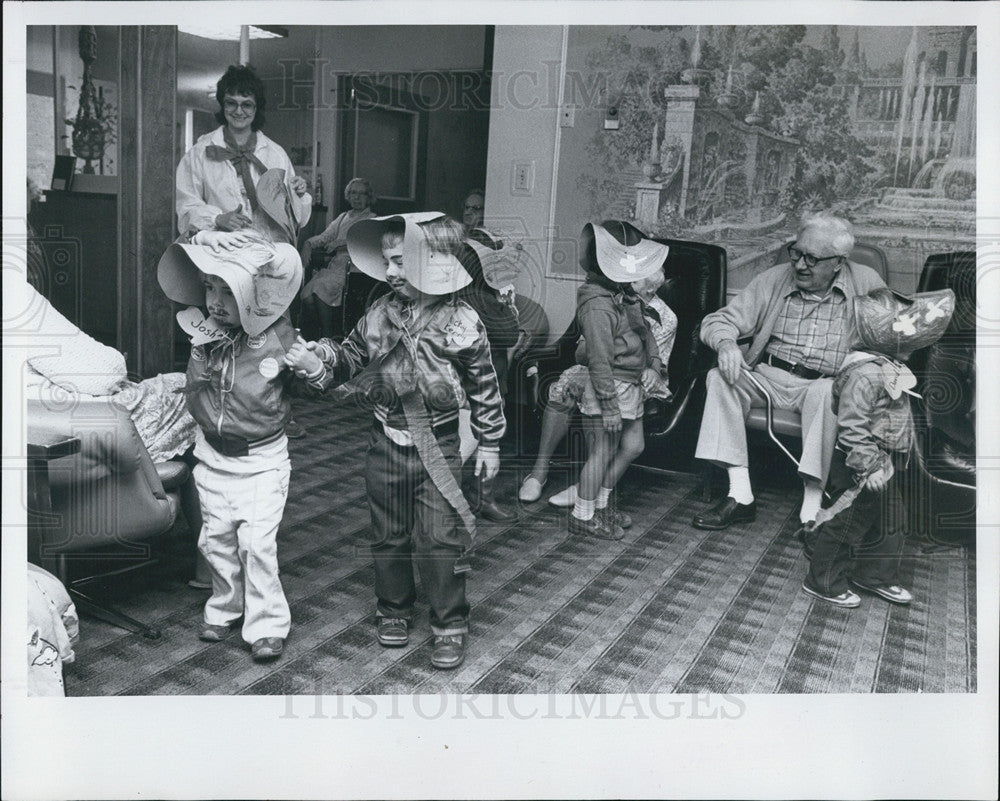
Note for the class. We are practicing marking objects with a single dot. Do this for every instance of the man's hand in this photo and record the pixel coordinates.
(298, 185)
(301, 358)
(220, 240)
(878, 480)
(487, 463)
(233, 220)
(650, 379)
(731, 362)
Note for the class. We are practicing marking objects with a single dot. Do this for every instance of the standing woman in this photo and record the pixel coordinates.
(219, 184)
(323, 295)
(217, 180)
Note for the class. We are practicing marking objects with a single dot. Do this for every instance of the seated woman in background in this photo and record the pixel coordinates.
(323, 295)
(473, 210)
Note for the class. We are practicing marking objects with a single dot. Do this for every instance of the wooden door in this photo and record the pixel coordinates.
(384, 139)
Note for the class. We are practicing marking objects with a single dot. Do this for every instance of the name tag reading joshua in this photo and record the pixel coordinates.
(201, 329)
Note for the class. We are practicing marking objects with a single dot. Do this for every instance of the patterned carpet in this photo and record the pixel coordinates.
(669, 609)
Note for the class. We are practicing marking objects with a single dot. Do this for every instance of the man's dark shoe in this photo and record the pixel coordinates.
(492, 511)
(392, 632)
(486, 506)
(449, 651)
(724, 514)
(600, 525)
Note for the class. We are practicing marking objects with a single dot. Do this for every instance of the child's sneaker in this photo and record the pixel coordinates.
(213, 633)
(619, 517)
(846, 599)
(598, 526)
(893, 593)
(267, 648)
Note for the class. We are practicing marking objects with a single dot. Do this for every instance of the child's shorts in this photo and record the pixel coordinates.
(630, 400)
(566, 393)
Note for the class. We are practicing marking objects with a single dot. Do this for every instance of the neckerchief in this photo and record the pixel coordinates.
(241, 157)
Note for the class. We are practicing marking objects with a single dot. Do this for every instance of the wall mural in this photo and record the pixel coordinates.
(728, 134)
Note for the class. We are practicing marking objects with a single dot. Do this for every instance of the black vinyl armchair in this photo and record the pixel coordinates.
(96, 500)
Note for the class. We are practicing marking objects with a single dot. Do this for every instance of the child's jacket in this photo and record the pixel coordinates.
(237, 387)
(450, 364)
(871, 423)
(616, 342)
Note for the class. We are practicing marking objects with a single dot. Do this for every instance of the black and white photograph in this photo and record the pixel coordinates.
(500, 400)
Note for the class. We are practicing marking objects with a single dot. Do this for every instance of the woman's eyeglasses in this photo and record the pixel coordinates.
(247, 106)
(811, 261)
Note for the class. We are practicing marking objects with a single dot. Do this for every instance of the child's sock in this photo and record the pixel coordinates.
(603, 497)
(812, 496)
(739, 485)
(583, 510)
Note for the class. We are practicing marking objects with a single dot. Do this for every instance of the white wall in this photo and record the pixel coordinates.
(524, 128)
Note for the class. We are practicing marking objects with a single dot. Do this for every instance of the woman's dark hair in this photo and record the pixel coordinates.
(241, 80)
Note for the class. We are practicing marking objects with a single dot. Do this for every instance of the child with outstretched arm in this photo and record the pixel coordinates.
(420, 355)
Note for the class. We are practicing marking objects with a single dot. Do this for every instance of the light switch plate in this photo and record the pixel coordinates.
(522, 178)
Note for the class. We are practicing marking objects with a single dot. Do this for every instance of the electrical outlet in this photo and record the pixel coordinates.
(522, 178)
(567, 116)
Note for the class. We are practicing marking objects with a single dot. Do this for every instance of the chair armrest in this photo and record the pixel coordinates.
(172, 474)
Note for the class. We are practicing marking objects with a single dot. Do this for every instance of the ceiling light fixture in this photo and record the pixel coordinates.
(231, 33)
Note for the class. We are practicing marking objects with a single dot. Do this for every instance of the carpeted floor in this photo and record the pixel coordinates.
(669, 609)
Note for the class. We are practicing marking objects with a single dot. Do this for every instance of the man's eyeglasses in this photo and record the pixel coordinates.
(247, 106)
(470, 207)
(811, 261)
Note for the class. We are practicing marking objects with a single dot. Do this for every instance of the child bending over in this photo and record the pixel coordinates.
(859, 537)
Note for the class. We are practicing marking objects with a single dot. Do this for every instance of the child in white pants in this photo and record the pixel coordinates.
(237, 382)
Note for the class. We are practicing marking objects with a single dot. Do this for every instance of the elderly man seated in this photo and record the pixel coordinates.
(799, 317)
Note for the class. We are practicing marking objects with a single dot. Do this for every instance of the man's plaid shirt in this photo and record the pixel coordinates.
(810, 330)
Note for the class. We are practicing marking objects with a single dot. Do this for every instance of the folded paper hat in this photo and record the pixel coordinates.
(276, 202)
(620, 262)
(500, 263)
(264, 277)
(430, 271)
(895, 324)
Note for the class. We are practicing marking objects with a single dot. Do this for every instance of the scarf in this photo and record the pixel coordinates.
(241, 158)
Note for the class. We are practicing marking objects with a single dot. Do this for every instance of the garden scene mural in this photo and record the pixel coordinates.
(729, 134)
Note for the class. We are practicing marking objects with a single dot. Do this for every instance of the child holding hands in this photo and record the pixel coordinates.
(420, 355)
(236, 392)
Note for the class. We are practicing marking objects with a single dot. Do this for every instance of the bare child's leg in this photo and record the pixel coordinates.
(601, 448)
(630, 447)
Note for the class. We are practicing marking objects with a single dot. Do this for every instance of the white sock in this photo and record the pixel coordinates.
(812, 497)
(739, 485)
(583, 510)
(603, 496)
